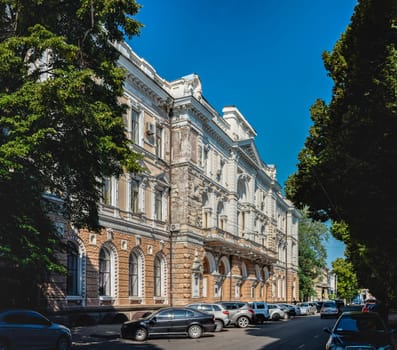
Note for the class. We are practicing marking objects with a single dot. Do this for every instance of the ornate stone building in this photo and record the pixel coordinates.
(206, 220)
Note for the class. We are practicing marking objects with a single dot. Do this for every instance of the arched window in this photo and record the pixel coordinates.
(105, 281)
(134, 278)
(158, 276)
(242, 190)
(72, 280)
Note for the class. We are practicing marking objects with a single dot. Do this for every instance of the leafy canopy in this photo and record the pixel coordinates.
(61, 128)
(312, 253)
(347, 165)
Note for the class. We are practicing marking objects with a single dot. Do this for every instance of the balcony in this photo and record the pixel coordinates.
(226, 243)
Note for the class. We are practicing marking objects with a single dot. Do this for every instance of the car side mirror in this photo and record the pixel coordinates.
(327, 330)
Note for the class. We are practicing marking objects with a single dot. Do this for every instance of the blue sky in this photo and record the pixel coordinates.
(263, 56)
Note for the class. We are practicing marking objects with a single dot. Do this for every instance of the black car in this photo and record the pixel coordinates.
(359, 330)
(27, 329)
(170, 321)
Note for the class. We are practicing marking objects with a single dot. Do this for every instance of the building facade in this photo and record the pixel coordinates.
(205, 221)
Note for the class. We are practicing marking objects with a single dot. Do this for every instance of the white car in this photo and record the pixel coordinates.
(221, 315)
(329, 309)
(307, 308)
(291, 309)
(276, 312)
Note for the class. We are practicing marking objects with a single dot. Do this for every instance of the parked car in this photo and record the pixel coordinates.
(313, 307)
(276, 312)
(28, 329)
(307, 308)
(291, 309)
(329, 309)
(359, 330)
(318, 305)
(241, 314)
(368, 305)
(170, 321)
(377, 306)
(222, 316)
(261, 310)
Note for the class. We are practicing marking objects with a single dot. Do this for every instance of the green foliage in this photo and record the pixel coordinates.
(346, 168)
(347, 283)
(61, 128)
(312, 253)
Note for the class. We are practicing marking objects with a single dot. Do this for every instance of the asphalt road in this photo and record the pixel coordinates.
(304, 332)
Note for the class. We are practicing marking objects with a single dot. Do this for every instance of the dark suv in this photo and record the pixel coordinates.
(241, 315)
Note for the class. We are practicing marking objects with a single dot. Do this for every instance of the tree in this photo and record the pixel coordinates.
(346, 168)
(347, 283)
(312, 253)
(61, 128)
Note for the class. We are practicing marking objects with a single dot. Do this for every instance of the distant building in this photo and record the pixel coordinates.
(322, 286)
(206, 221)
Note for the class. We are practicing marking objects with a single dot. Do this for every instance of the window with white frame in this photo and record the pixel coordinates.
(159, 141)
(205, 158)
(220, 216)
(158, 204)
(134, 196)
(72, 280)
(107, 191)
(252, 292)
(159, 276)
(134, 126)
(105, 272)
(195, 285)
(134, 277)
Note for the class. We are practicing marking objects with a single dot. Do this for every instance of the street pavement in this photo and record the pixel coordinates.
(87, 334)
(96, 333)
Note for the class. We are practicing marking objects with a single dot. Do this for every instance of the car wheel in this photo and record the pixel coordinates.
(275, 317)
(195, 331)
(3, 345)
(243, 322)
(63, 343)
(219, 325)
(140, 334)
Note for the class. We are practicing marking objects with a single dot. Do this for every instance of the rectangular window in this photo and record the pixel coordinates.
(134, 126)
(134, 196)
(158, 205)
(107, 191)
(159, 142)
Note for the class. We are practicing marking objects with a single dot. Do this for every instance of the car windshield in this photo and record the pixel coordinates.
(329, 304)
(359, 323)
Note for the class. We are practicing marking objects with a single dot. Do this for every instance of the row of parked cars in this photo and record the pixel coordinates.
(27, 329)
(197, 318)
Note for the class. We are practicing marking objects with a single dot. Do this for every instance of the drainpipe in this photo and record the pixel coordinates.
(231, 280)
(286, 256)
(171, 289)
